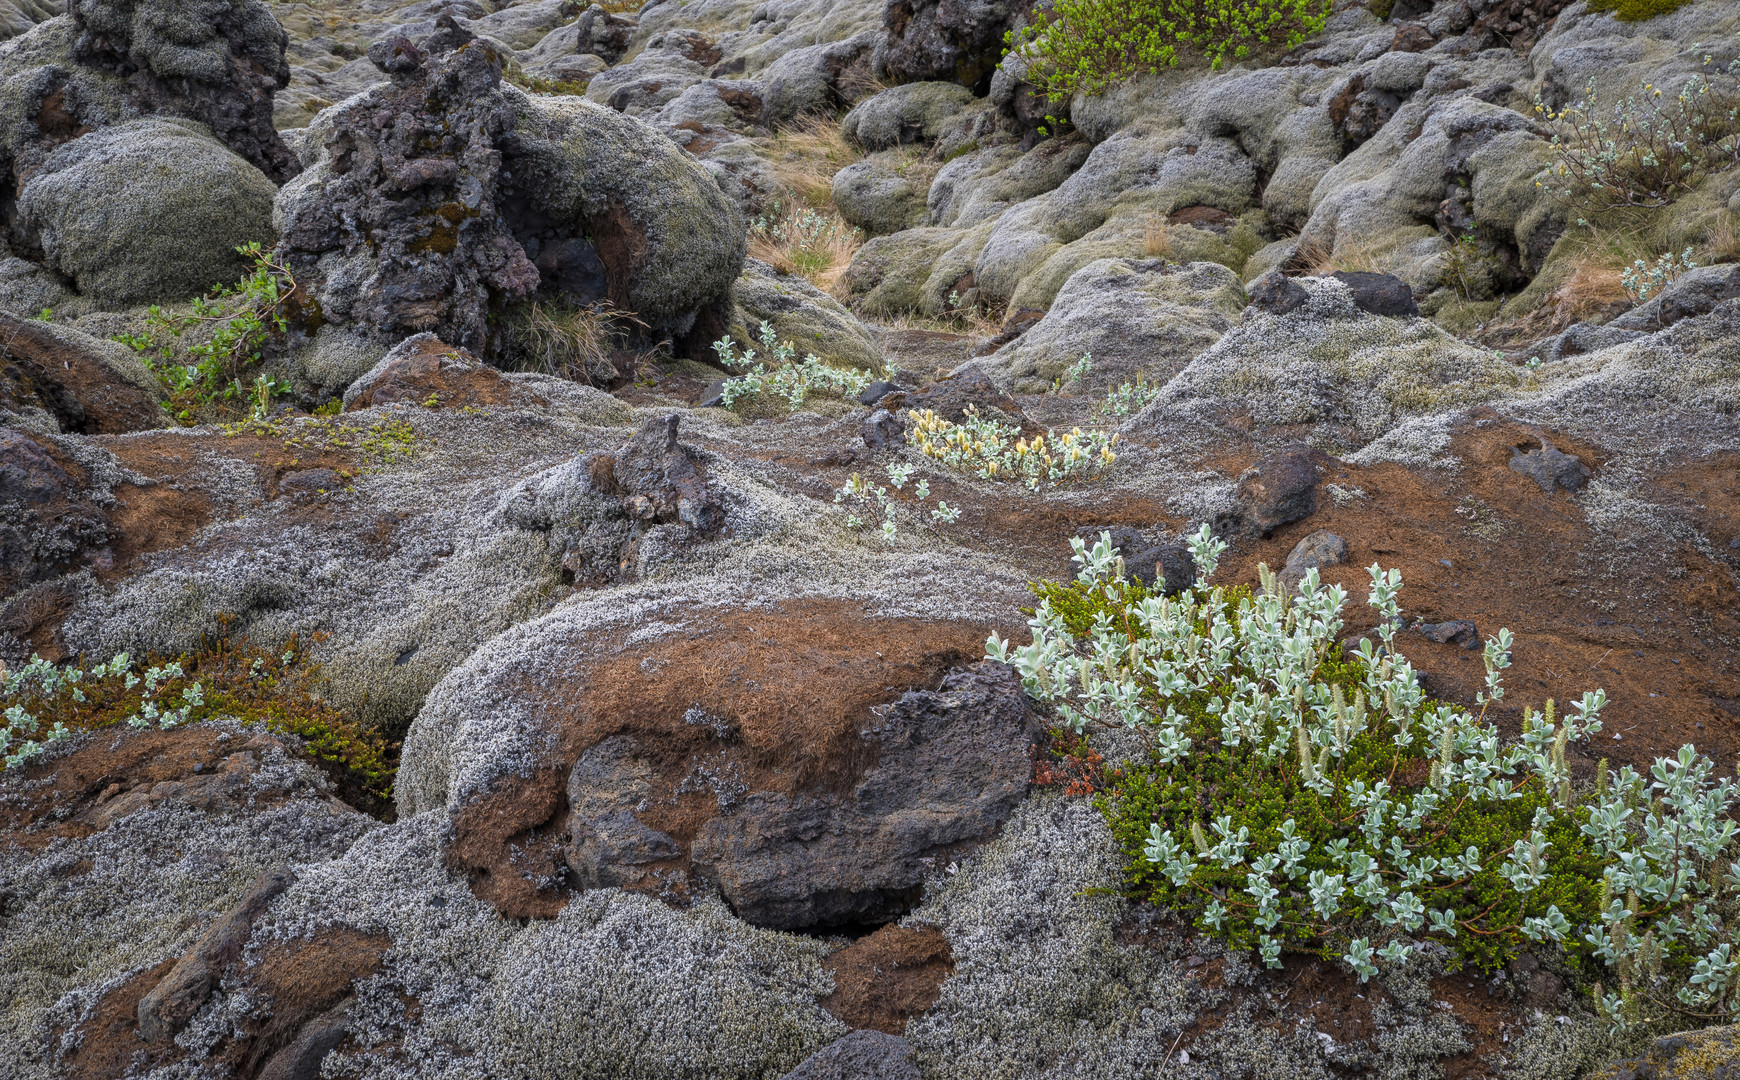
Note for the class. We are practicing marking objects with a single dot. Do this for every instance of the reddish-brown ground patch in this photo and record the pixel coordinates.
(1657, 630)
(886, 978)
(436, 374)
(793, 685)
(109, 1044)
(120, 767)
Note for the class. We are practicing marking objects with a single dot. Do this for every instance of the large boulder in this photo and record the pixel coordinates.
(1136, 317)
(551, 196)
(914, 113)
(217, 62)
(944, 40)
(60, 379)
(875, 197)
(150, 209)
(1329, 365)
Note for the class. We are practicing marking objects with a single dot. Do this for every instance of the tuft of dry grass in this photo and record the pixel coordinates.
(1722, 243)
(1593, 289)
(570, 341)
(806, 154)
(815, 244)
(974, 321)
(1318, 260)
(1156, 244)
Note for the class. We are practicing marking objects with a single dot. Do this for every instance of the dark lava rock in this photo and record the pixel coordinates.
(1277, 294)
(956, 41)
(1380, 294)
(609, 846)
(1013, 327)
(1709, 1054)
(219, 63)
(1550, 468)
(1278, 490)
(951, 766)
(884, 429)
(310, 482)
(664, 482)
(860, 1055)
(876, 391)
(1459, 632)
(1172, 561)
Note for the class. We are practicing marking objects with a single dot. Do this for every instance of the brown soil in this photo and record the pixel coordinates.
(1657, 631)
(441, 375)
(109, 1044)
(302, 980)
(794, 683)
(886, 978)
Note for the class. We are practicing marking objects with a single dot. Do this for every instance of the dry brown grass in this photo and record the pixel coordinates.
(806, 154)
(964, 321)
(1352, 258)
(569, 341)
(1156, 244)
(814, 243)
(1593, 288)
(1722, 243)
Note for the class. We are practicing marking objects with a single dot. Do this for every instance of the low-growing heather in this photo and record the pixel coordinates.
(1298, 797)
(45, 703)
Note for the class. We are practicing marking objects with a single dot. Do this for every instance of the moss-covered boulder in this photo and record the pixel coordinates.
(1136, 317)
(803, 316)
(1710, 1054)
(913, 113)
(152, 209)
(876, 198)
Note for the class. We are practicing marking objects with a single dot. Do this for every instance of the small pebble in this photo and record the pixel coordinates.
(1446, 564)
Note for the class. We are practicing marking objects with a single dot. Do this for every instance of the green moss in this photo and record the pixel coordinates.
(1636, 10)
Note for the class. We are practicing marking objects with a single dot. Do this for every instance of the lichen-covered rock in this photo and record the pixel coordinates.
(75, 382)
(1327, 363)
(21, 16)
(150, 209)
(802, 315)
(218, 63)
(944, 40)
(861, 1055)
(520, 196)
(888, 274)
(669, 64)
(810, 80)
(876, 198)
(1137, 318)
(1710, 1054)
(913, 113)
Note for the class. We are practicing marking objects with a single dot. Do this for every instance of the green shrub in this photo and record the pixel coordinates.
(1294, 797)
(230, 329)
(1644, 150)
(45, 703)
(1636, 10)
(1089, 45)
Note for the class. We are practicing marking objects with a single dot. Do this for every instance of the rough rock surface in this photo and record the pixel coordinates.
(66, 380)
(802, 315)
(514, 197)
(944, 40)
(861, 1055)
(1136, 318)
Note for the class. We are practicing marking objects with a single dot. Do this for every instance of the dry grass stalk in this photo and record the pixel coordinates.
(1156, 243)
(807, 153)
(1722, 243)
(570, 341)
(1351, 257)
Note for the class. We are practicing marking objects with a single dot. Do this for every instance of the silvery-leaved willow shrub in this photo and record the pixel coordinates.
(995, 449)
(863, 493)
(775, 370)
(37, 687)
(1294, 797)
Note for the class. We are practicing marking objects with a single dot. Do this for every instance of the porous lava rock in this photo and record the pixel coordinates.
(943, 41)
(47, 524)
(861, 1055)
(447, 194)
(1278, 490)
(81, 383)
(424, 370)
(218, 62)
